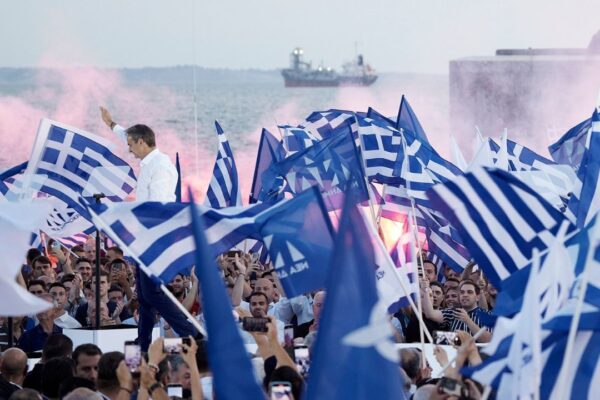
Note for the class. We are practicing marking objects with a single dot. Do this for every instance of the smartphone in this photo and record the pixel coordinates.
(133, 356)
(254, 324)
(288, 340)
(302, 359)
(174, 390)
(280, 390)
(252, 276)
(232, 253)
(55, 245)
(447, 338)
(452, 387)
(173, 345)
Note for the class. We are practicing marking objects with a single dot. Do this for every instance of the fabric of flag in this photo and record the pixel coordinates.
(159, 234)
(299, 237)
(224, 188)
(444, 242)
(78, 239)
(324, 124)
(269, 151)
(570, 148)
(585, 201)
(296, 139)
(500, 219)
(78, 164)
(225, 347)
(359, 344)
(12, 171)
(380, 145)
(330, 164)
(408, 121)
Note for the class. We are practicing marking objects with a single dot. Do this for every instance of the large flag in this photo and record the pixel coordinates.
(324, 124)
(73, 163)
(408, 121)
(355, 335)
(224, 188)
(225, 347)
(500, 219)
(159, 235)
(269, 151)
(299, 237)
(331, 165)
(585, 201)
(571, 147)
(17, 221)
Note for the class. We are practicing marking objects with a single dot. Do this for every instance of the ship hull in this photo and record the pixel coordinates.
(366, 80)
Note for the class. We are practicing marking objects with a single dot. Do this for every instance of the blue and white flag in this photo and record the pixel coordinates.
(571, 147)
(159, 235)
(299, 237)
(73, 163)
(270, 151)
(324, 124)
(359, 344)
(224, 188)
(332, 165)
(225, 347)
(407, 120)
(296, 139)
(585, 201)
(500, 219)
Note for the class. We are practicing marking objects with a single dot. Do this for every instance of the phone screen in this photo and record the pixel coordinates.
(302, 359)
(281, 391)
(171, 345)
(133, 356)
(175, 391)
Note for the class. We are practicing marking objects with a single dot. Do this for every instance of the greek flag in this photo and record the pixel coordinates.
(380, 145)
(571, 147)
(500, 219)
(224, 188)
(585, 201)
(408, 121)
(296, 139)
(269, 151)
(324, 124)
(159, 235)
(74, 164)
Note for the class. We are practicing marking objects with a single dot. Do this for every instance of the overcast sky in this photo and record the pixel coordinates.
(394, 35)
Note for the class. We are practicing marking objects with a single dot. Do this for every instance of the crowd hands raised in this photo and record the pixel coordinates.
(451, 303)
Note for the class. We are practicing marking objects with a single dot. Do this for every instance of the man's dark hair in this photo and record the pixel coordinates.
(34, 282)
(410, 361)
(57, 284)
(432, 263)
(25, 394)
(67, 278)
(202, 356)
(57, 346)
(115, 288)
(453, 280)
(470, 282)
(77, 249)
(288, 374)
(143, 132)
(89, 349)
(54, 372)
(116, 249)
(266, 273)
(82, 259)
(107, 370)
(42, 259)
(75, 382)
(258, 294)
(436, 283)
(32, 254)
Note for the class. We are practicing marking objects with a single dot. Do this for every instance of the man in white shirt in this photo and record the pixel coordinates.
(156, 182)
(63, 320)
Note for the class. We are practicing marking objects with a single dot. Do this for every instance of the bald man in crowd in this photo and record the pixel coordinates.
(13, 369)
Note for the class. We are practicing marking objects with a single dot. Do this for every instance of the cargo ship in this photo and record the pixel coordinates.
(302, 74)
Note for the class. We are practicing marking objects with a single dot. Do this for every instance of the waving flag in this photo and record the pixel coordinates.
(296, 139)
(571, 147)
(408, 121)
(325, 124)
(358, 344)
(76, 163)
(159, 235)
(269, 151)
(224, 188)
(225, 347)
(299, 237)
(330, 165)
(500, 219)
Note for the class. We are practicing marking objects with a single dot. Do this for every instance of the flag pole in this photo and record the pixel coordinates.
(563, 375)
(99, 222)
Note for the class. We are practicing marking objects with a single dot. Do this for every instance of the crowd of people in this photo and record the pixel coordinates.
(455, 308)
